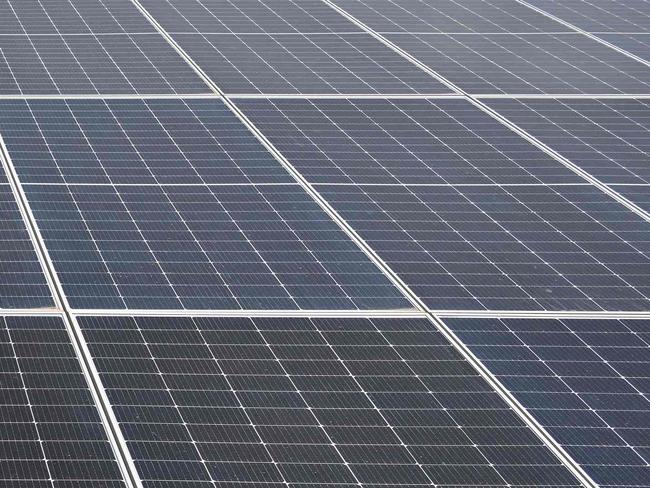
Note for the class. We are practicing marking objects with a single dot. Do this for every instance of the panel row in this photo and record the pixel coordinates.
(284, 47)
(269, 401)
(174, 204)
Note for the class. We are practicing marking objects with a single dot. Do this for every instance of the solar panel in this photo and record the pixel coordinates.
(449, 16)
(401, 141)
(22, 282)
(606, 138)
(248, 16)
(88, 47)
(203, 247)
(504, 248)
(133, 142)
(287, 47)
(585, 380)
(600, 15)
(52, 434)
(281, 401)
(527, 64)
(304, 63)
(269, 288)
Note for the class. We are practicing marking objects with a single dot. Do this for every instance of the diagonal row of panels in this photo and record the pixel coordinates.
(303, 47)
(173, 204)
(275, 401)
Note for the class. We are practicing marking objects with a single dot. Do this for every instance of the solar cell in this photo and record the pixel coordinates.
(88, 47)
(88, 64)
(71, 17)
(52, 435)
(606, 138)
(637, 44)
(527, 64)
(586, 381)
(504, 248)
(133, 142)
(309, 402)
(22, 282)
(449, 16)
(400, 141)
(248, 16)
(203, 247)
(600, 15)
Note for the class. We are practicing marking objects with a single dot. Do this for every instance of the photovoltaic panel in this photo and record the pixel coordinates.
(449, 16)
(309, 402)
(586, 381)
(203, 247)
(22, 282)
(89, 64)
(305, 63)
(287, 47)
(133, 142)
(71, 17)
(52, 434)
(401, 141)
(248, 16)
(527, 64)
(600, 15)
(606, 138)
(504, 248)
(637, 44)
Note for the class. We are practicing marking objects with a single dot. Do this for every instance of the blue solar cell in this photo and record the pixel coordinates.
(305, 63)
(203, 247)
(600, 15)
(248, 16)
(22, 282)
(134, 142)
(88, 64)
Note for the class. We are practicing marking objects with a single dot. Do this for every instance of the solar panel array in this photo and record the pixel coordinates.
(324, 243)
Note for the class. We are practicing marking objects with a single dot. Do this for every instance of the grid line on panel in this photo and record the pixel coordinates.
(587, 34)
